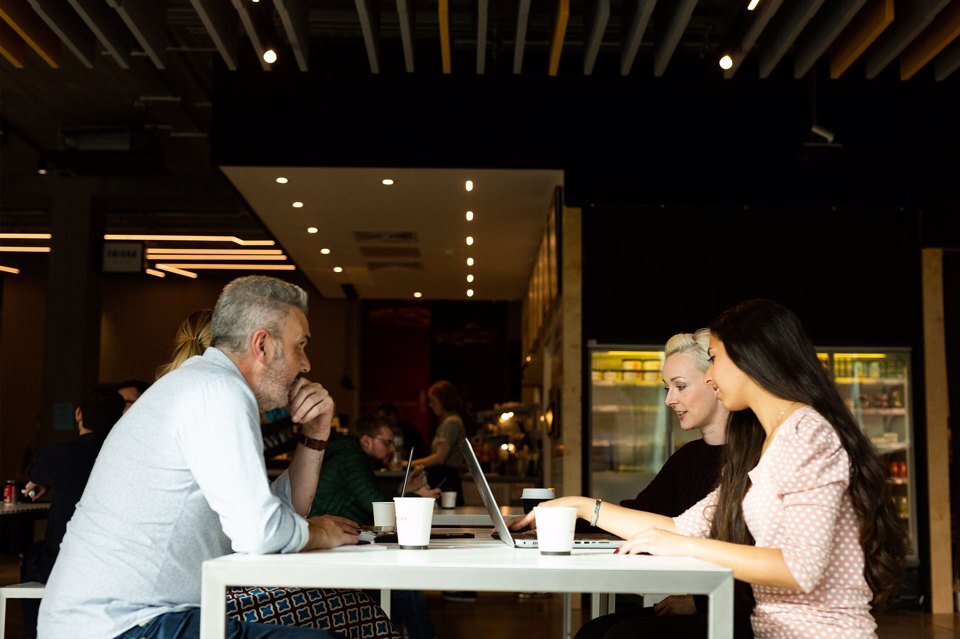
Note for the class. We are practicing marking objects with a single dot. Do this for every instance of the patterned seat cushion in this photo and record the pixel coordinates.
(352, 614)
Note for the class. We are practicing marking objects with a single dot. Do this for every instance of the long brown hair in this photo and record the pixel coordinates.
(767, 342)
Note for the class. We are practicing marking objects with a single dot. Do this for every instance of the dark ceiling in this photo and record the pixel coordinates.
(126, 89)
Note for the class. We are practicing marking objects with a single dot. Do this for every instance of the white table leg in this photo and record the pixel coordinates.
(213, 607)
(720, 614)
(385, 601)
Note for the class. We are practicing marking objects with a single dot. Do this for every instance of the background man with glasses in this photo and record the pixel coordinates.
(347, 485)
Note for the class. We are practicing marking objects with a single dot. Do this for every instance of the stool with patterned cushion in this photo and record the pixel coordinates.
(352, 614)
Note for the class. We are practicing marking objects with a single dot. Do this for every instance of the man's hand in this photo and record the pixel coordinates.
(675, 605)
(312, 407)
(426, 491)
(34, 491)
(330, 531)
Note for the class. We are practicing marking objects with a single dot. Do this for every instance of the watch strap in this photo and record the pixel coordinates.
(310, 442)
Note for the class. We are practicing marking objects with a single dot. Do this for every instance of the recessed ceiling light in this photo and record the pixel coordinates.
(282, 180)
(312, 229)
(469, 261)
(338, 269)
(469, 292)
(469, 240)
(41, 171)
(324, 251)
(469, 185)
(269, 56)
(528, 358)
(417, 294)
(297, 205)
(726, 62)
(753, 5)
(387, 182)
(469, 216)
(469, 277)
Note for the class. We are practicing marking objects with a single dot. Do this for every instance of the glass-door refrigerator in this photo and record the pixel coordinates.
(630, 430)
(875, 384)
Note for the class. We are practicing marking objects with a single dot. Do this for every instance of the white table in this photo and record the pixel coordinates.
(478, 564)
(471, 516)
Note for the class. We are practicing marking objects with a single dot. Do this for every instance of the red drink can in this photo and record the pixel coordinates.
(10, 492)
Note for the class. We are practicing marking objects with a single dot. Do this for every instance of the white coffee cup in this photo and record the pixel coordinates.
(555, 527)
(384, 514)
(448, 499)
(414, 519)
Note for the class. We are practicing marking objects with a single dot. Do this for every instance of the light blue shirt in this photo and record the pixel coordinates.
(180, 479)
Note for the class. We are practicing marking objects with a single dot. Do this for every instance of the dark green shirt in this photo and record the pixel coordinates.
(347, 485)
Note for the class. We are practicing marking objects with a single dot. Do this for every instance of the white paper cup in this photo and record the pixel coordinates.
(414, 519)
(555, 529)
(384, 514)
(530, 497)
(448, 499)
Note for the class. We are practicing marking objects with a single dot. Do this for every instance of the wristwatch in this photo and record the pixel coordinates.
(310, 442)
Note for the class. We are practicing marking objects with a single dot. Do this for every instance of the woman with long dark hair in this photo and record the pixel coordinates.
(802, 512)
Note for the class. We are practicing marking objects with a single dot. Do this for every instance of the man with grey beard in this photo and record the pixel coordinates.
(182, 479)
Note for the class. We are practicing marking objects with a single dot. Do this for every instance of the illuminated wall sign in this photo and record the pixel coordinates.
(122, 257)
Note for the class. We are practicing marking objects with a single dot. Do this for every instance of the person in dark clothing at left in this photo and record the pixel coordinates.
(65, 468)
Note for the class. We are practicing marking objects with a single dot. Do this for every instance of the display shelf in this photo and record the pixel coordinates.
(628, 382)
(888, 448)
(886, 381)
(881, 411)
(898, 481)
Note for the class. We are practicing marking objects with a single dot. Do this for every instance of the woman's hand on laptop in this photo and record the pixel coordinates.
(519, 523)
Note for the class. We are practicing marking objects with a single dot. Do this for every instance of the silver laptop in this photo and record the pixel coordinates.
(523, 539)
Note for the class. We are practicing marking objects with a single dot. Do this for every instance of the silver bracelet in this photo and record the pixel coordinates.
(596, 512)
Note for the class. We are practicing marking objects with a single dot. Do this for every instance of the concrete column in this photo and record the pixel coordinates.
(72, 330)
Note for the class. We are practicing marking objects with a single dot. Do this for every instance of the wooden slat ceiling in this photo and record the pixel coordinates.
(573, 36)
(150, 63)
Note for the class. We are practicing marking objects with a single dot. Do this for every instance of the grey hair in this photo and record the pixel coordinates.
(697, 344)
(250, 303)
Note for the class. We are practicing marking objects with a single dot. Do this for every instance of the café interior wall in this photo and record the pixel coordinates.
(22, 322)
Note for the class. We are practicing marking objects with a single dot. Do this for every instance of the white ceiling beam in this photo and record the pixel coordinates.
(246, 18)
(369, 13)
(947, 62)
(107, 27)
(483, 16)
(760, 20)
(910, 20)
(670, 37)
(636, 18)
(520, 39)
(596, 26)
(293, 16)
(69, 28)
(783, 32)
(147, 21)
(220, 21)
(828, 24)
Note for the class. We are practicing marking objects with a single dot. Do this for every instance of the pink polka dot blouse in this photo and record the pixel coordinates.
(798, 502)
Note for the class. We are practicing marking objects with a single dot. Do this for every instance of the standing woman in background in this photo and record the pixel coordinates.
(445, 461)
